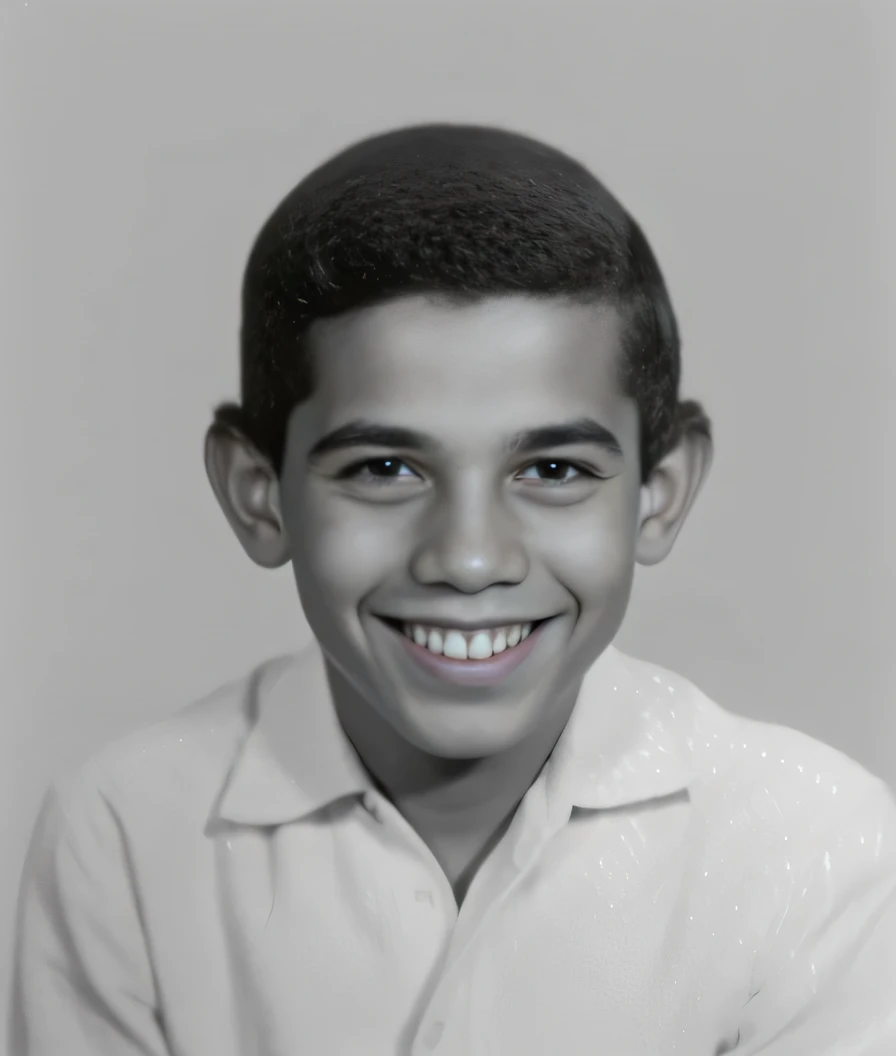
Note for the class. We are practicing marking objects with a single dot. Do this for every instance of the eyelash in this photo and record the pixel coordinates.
(355, 471)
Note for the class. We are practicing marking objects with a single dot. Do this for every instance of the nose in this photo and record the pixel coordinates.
(470, 545)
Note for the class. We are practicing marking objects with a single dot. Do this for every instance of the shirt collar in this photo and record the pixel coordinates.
(622, 744)
(625, 742)
(296, 757)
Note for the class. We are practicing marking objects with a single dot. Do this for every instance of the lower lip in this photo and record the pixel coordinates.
(472, 672)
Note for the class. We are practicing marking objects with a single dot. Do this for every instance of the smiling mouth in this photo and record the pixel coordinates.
(458, 644)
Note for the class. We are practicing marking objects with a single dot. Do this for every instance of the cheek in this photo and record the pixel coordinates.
(343, 552)
(593, 553)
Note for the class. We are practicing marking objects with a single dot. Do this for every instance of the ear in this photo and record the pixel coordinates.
(669, 494)
(247, 490)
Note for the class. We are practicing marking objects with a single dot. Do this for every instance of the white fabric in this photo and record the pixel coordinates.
(228, 883)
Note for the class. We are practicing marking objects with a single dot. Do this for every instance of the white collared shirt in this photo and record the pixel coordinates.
(678, 879)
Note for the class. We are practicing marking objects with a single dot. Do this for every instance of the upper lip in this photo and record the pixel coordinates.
(485, 623)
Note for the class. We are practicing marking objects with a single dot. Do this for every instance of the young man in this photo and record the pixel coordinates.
(462, 822)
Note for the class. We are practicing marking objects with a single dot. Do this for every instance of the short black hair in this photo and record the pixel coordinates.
(465, 211)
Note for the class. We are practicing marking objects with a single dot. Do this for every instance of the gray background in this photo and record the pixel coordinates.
(143, 144)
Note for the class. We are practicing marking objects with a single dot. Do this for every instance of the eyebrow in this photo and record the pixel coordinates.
(363, 433)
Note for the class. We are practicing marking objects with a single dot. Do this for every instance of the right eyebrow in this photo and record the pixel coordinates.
(363, 433)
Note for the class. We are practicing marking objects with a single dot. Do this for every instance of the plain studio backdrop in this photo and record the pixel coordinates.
(143, 143)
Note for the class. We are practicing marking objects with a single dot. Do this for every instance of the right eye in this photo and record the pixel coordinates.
(378, 471)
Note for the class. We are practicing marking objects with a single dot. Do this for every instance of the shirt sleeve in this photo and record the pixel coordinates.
(831, 985)
(82, 979)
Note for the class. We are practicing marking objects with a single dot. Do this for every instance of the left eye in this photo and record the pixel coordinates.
(553, 471)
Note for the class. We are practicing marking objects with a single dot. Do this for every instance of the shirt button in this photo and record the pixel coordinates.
(434, 1034)
(371, 806)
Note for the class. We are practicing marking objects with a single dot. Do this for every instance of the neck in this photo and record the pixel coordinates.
(445, 799)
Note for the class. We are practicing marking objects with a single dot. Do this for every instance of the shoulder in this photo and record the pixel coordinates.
(175, 766)
(781, 778)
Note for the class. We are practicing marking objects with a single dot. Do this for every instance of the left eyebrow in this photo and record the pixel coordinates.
(564, 434)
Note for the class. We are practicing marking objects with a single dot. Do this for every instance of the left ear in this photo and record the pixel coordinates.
(667, 497)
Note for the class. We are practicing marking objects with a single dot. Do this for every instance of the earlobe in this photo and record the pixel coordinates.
(669, 494)
(247, 491)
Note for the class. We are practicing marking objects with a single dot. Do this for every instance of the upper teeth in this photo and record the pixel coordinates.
(467, 645)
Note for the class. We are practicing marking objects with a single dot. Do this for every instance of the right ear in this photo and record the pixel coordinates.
(247, 490)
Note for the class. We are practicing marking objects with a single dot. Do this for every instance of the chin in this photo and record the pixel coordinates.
(473, 734)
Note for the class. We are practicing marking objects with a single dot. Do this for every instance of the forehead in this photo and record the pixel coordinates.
(482, 368)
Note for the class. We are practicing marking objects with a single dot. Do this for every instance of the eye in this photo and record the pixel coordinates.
(553, 471)
(378, 471)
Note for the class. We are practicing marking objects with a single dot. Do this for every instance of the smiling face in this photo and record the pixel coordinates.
(461, 469)
(462, 505)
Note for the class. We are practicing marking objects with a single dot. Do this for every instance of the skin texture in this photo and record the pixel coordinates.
(465, 529)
